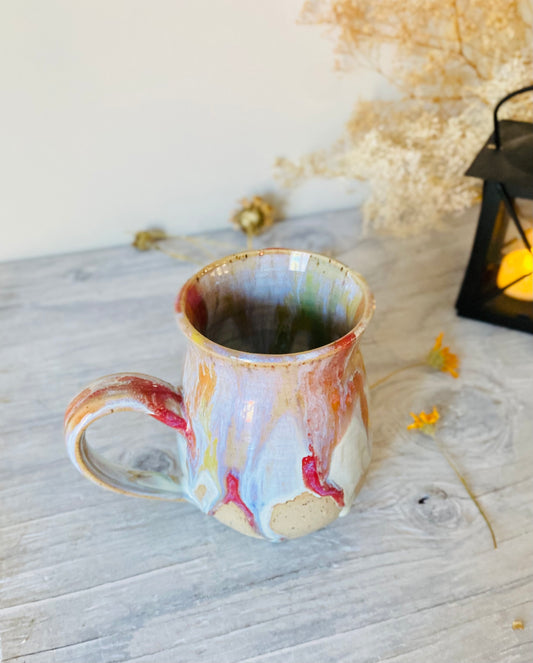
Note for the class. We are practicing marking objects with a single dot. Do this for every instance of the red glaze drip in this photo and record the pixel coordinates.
(232, 495)
(195, 308)
(156, 398)
(318, 484)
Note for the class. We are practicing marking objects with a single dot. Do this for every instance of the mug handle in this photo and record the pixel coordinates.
(134, 392)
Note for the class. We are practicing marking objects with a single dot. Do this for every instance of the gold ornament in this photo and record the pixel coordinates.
(147, 239)
(253, 217)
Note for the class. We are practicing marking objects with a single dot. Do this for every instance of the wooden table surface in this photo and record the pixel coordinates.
(410, 575)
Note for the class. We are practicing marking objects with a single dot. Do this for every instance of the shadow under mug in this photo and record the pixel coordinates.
(272, 415)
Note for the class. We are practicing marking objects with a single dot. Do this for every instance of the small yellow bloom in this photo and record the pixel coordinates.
(442, 359)
(425, 422)
(518, 625)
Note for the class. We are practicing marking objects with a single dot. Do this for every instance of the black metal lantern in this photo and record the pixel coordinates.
(498, 283)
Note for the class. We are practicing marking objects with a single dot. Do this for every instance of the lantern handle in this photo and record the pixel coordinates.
(497, 139)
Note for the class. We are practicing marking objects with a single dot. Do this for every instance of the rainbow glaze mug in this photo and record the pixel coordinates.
(272, 417)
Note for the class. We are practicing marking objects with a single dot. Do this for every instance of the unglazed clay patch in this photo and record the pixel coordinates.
(303, 515)
(231, 515)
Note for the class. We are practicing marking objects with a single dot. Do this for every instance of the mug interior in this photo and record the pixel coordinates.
(275, 301)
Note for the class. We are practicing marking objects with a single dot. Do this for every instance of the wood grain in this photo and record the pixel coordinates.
(409, 575)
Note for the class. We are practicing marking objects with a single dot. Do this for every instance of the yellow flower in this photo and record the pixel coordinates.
(254, 216)
(425, 422)
(442, 359)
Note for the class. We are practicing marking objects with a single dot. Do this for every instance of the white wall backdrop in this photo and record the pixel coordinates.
(120, 114)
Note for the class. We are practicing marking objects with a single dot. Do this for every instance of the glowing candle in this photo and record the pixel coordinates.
(514, 265)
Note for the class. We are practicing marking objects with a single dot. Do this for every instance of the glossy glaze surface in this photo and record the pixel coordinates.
(273, 415)
(275, 385)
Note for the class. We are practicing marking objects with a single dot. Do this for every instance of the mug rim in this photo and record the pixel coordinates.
(351, 337)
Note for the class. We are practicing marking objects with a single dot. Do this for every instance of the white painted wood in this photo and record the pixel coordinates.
(409, 575)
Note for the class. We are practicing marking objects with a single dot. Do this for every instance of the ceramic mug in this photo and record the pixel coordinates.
(272, 417)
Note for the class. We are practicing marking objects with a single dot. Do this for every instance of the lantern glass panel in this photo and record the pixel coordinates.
(510, 262)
